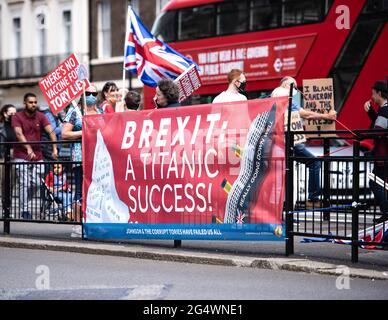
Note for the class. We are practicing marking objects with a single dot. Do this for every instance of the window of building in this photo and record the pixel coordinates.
(232, 17)
(196, 22)
(104, 30)
(67, 28)
(1, 37)
(41, 23)
(17, 31)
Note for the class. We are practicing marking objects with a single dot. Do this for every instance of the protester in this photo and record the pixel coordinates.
(167, 94)
(300, 150)
(56, 181)
(236, 88)
(56, 124)
(72, 130)
(120, 104)
(379, 121)
(132, 100)
(7, 134)
(28, 125)
(109, 95)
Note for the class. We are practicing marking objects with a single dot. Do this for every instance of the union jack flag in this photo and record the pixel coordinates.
(149, 57)
(240, 217)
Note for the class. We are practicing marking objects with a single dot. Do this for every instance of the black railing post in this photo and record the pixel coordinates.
(326, 179)
(289, 180)
(7, 189)
(356, 194)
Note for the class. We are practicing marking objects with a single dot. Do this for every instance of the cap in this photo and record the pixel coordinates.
(380, 85)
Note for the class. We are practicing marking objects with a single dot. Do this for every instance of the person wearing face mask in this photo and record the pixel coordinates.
(236, 89)
(29, 125)
(300, 150)
(72, 130)
(7, 134)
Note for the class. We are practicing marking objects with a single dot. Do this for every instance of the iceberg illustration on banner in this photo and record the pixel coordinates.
(103, 203)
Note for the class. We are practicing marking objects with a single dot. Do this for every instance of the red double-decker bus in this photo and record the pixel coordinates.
(346, 40)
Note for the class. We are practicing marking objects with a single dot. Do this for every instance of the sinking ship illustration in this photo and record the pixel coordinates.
(103, 203)
(254, 165)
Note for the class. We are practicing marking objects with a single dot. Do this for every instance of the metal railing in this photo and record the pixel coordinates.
(347, 209)
(34, 191)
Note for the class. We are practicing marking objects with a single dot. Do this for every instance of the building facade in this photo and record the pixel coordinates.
(108, 21)
(35, 36)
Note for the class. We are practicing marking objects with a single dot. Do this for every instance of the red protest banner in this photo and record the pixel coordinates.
(188, 82)
(62, 85)
(187, 166)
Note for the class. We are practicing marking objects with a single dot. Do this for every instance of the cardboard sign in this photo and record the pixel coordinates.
(62, 85)
(188, 82)
(296, 125)
(319, 97)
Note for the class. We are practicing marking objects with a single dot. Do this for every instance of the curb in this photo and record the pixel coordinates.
(185, 256)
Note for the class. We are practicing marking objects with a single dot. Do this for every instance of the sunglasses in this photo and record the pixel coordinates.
(91, 93)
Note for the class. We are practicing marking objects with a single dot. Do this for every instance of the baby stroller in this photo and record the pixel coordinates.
(53, 208)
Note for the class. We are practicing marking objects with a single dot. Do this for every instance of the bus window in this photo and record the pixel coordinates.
(300, 12)
(196, 22)
(265, 14)
(165, 26)
(232, 17)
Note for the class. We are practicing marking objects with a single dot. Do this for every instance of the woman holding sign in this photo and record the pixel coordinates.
(72, 130)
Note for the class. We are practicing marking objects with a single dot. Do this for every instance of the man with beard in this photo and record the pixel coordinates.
(28, 125)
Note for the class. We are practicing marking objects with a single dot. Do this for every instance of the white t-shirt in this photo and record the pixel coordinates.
(229, 97)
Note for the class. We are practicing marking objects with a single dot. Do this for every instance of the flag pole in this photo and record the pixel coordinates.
(125, 46)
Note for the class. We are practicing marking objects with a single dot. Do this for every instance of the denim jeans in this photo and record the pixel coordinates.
(314, 187)
(66, 199)
(379, 192)
(78, 177)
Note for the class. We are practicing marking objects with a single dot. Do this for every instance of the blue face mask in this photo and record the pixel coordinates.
(91, 100)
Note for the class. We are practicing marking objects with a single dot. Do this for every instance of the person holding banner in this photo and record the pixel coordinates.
(300, 150)
(72, 130)
(28, 125)
(379, 121)
(167, 94)
(236, 89)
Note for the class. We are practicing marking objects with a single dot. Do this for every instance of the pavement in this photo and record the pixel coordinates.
(316, 257)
